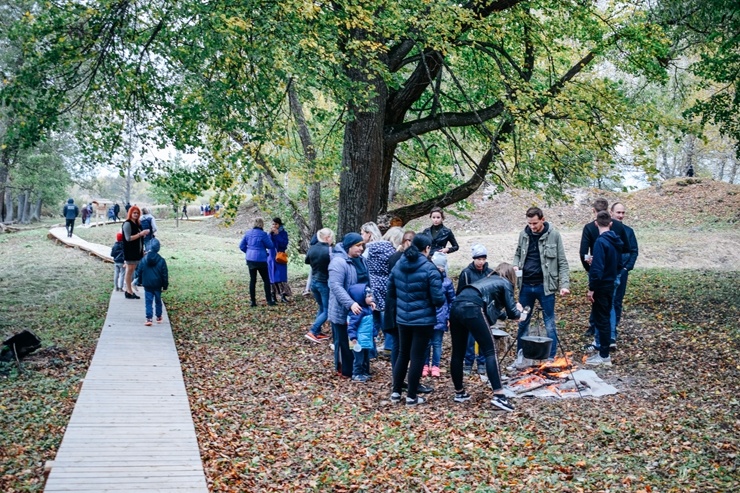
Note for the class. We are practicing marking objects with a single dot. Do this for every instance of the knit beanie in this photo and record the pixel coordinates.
(479, 251)
(440, 260)
(350, 240)
(119, 236)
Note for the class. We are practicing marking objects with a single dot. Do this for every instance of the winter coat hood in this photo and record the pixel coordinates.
(70, 201)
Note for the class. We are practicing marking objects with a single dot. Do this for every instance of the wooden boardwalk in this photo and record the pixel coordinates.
(59, 234)
(131, 429)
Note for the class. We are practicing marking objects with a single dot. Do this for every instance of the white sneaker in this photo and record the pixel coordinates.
(597, 360)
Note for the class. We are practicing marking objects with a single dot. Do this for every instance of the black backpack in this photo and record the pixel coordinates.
(146, 223)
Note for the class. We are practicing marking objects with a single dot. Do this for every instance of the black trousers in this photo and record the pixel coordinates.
(261, 268)
(70, 224)
(468, 318)
(600, 313)
(412, 342)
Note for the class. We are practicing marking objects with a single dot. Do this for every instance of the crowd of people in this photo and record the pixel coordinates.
(397, 283)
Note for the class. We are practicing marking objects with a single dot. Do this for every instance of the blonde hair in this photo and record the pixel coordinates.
(371, 228)
(259, 223)
(394, 235)
(506, 271)
(324, 234)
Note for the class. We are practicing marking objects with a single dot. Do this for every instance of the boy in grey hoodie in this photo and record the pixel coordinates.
(152, 274)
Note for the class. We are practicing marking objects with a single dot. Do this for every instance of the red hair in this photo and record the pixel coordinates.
(134, 208)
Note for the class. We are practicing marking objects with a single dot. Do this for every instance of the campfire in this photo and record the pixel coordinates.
(555, 377)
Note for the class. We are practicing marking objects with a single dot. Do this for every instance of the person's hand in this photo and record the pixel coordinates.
(355, 308)
(352, 343)
(564, 292)
(591, 259)
(445, 250)
(590, 296)
(372, 305)
(519, 307)
(523, 316)
(144, 232)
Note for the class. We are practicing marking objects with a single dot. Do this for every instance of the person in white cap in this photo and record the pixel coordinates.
(477, 270)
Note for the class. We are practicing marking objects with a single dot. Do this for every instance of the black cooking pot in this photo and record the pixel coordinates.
(534, 347)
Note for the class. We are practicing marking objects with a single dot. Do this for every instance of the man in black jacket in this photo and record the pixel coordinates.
(588, 237)
(628, 263)
(70, 212)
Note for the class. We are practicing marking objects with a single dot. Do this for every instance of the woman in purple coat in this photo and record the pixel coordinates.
(278, 272)
(255, 245)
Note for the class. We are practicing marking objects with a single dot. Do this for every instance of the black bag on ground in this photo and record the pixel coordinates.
(19, 346)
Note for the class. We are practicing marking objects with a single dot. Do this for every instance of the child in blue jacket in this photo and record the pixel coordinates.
(361, 331)
(119, 272)
(152, 274)
(431, 367)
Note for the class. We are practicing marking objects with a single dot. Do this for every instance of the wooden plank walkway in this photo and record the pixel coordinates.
(59, 234)
(131, 429)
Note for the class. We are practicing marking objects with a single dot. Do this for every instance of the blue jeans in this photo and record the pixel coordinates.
(470, 354)
(320, 292)
(435, 344)
(528, 294)
(153, 295)
(361, 364)
(621, 288)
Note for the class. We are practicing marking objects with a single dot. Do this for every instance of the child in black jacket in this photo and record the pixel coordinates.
(119, 271)
(152, 274)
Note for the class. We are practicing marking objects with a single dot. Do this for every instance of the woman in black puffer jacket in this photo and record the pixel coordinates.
(414, 293)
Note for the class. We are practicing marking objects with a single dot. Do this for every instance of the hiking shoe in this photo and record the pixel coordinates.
(461, 396)
(481, 370)
(323, 337)
(424, 389)
(148, 322)
(159, 320)
(467, 369)
(415, 402)
(360, 378)
(395, 397)
(597, 360)
(435, 371)
(502, 402)
(425, 371)
(311, 337)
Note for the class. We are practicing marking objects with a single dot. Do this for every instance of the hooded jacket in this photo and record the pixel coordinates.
(70, 211)
(152, 270)
(416, 286)
(342, 275)
(606, 261)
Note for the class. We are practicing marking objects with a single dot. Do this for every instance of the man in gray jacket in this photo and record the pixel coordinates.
(541, 259)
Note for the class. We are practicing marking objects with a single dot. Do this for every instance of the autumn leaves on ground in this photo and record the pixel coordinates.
(271, 415)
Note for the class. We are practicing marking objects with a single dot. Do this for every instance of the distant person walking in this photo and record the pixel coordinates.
(152, 274)
(70, 213)
(85, 215)
(128, 206)
(255, 245)
(133, 247)
(184, 212)
(116, 212)
(440, 234)
(277, 262)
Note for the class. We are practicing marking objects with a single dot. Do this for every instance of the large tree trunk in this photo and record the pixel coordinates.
(36, 214)
(22, 197)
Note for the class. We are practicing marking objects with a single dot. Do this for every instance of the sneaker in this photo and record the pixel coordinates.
(435, 371)
(159, 320)
(415, 402)
(597, 360)
(148, 322)
(311, 337)
(481, 370)
(590, 349)
(467, 370)
(425, 371)
(461, 396)
(613, 346)
(424, 389)
(323, 337)
(360, 378)
(395, 397)
(502, 402)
